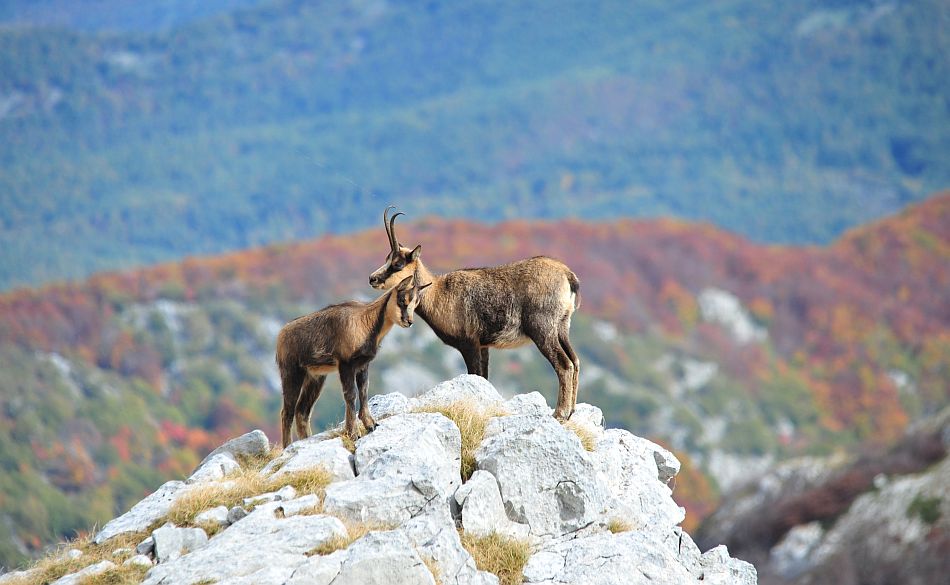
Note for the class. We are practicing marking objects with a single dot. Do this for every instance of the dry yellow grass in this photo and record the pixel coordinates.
(433, 568)
(617, 525)
(471, 419)
(56, 564)
(119, 575)
(354, 532)
(501, 555)
(257, 462)
(244, 485)
(587, 437)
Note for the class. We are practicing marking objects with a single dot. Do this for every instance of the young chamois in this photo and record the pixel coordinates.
(345, 338)
(500, 307)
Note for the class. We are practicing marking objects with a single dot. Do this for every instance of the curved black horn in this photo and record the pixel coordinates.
(388, 228)
(392, 231)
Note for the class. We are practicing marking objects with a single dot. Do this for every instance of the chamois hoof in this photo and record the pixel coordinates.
(560, 417)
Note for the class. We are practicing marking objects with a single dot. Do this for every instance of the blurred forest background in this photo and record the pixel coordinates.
(752, 193)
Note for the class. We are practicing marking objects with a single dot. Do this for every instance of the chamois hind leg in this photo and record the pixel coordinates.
(348, 381)
(362, 377)
(312, 387)
(484, 355)
(551, 349)
(291, 378)
(565, 342)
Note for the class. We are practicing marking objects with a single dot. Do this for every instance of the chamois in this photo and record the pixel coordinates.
(343, 337)
(502, 307)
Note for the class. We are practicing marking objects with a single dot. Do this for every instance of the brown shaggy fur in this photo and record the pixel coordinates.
(343, 338)
(499, 307)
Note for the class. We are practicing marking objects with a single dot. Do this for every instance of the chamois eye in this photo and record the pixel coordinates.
(398, 263)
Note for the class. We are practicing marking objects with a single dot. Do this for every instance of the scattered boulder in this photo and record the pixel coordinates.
(172, 542)
(626, 466)
(138, 561)
(531, 403)
(215, 467)
(467, 387)
(385, 405)
(252, 444)
(314, 452)
(236, 513)
(142, 515)
(258, 542)
(483, 512)
(217, 516)
(382, 558)
(545, 477)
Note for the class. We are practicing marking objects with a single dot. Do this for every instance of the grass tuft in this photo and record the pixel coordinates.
(56, 564)
(119, 575)
(587, 437)
(471, 419)
(433, 568)
(501, 555)
(248, 483)
(354, 532)
(257, 462)
(616, 525)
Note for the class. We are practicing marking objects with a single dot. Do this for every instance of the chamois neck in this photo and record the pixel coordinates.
(376, 316)
(427, 301)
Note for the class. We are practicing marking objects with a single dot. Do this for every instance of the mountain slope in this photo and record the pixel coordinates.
(785, 123)
(733, 354)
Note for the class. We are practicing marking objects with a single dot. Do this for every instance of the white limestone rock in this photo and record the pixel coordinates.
(215, 467)
(385, 405)
(422, 449)
(303, 505)
(257, 542)
(80, 576)
(252, 444)
(142, 515)
(217, 515)
(627, 558)
(138, 561)
(172, 542)
(435, 537)
(531, 403)
(285, 493)
(720, 569)
(483, 512)
(545, 477)
(313, 452)
(383, 558)
(467, 387)
(627, 467)
(588, 415)
(383, 502)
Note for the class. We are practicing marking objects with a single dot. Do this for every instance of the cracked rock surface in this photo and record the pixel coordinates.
(396, 509)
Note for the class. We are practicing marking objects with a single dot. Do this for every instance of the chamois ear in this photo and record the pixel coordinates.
(425, 286)
(406, 283)
(414, 255)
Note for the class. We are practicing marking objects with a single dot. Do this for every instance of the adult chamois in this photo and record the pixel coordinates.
(502, 307)
(345, 338)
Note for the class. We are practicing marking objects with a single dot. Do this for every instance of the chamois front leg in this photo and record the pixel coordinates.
(348, 381)
(473, 358)
(484, 356)
(362, 377)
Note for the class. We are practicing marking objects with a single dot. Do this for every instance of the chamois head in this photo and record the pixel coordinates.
(402, 303)
(401, 261)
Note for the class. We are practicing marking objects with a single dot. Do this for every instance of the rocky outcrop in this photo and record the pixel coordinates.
(879, 518)
(396, 509)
